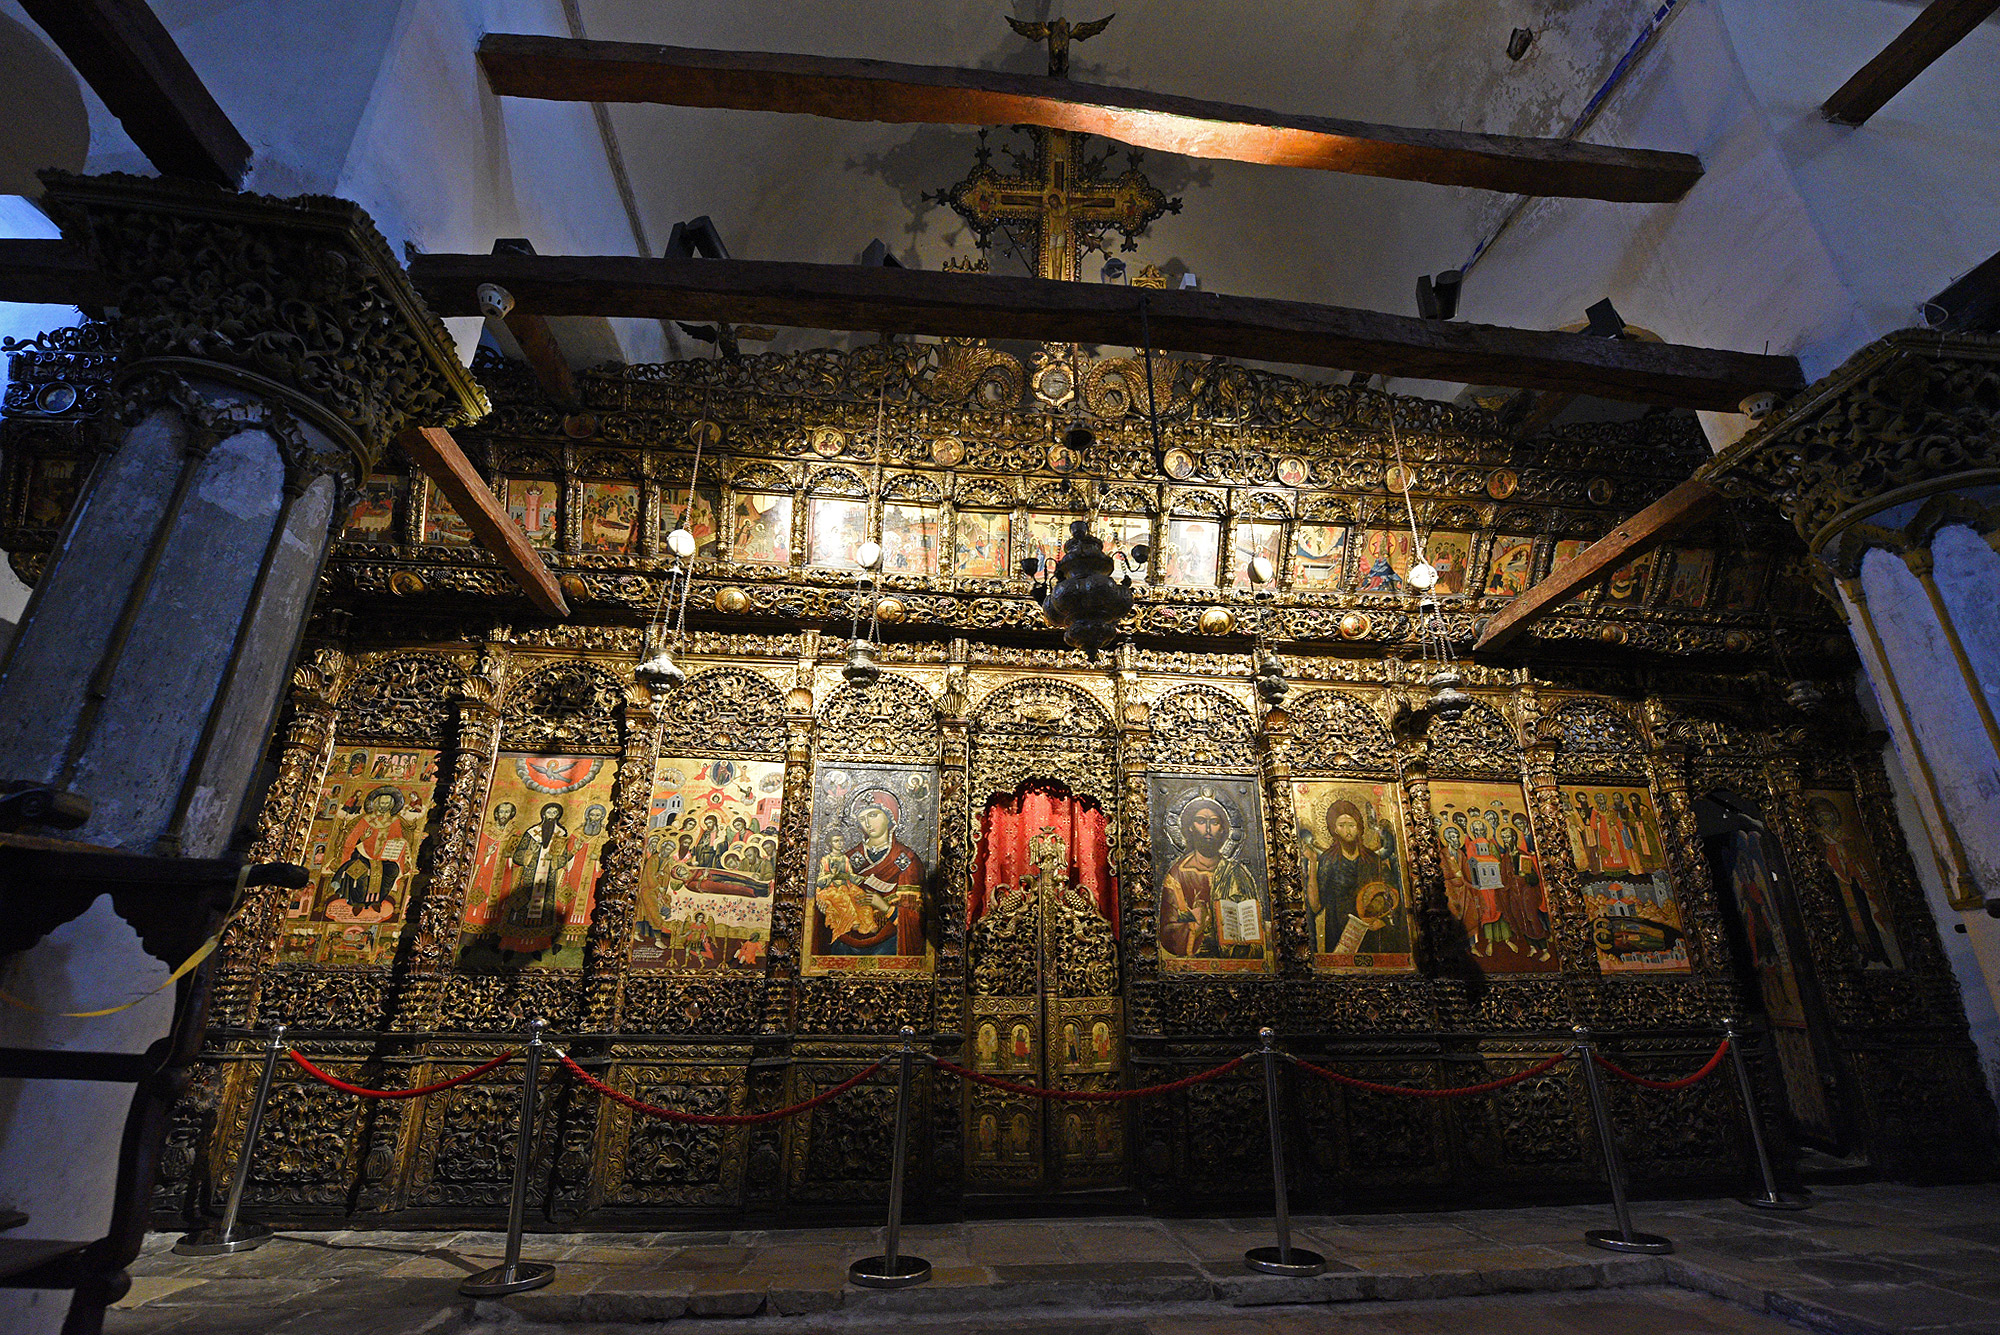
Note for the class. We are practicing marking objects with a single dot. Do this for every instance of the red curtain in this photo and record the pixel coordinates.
(1010, 822)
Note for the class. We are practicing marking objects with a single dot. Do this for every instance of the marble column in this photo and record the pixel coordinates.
(1890, 470)
(269, 349)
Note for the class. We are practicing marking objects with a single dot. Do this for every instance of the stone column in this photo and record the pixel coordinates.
(270, 348)
(1890, 470)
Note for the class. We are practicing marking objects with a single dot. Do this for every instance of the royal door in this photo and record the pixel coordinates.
(1044, 1005)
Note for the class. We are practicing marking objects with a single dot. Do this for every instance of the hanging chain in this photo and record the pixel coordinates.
(684, 566)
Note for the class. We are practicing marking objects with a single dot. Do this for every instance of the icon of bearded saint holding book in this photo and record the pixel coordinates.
(870, 897)
(1210, 903)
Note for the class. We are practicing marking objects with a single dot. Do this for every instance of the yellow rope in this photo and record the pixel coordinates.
(207, 949)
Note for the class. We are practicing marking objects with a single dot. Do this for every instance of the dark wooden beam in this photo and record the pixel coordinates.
(126, 55)
(545, 358)
(50, 272)
(910, 301)
(565, 69)
(531, 330)
(1971, 304)
(1940, 27)
(433, 450)
(1677, 511)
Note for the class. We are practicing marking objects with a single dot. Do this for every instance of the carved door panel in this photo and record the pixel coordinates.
(1044, 1010)
(1774, 966)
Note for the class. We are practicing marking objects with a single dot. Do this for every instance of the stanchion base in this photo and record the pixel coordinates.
(497, 1282)
(875, 1272)
(244, 1237)
(1274, 1262)
(1650, 1244)
(1776, 1201)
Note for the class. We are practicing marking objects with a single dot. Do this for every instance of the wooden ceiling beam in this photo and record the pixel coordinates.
(545, 358)
(909, 301)
(1942, 25)
(433, 450)
(131, 61)
(1674, 513)
(531, 331)
(571, 70)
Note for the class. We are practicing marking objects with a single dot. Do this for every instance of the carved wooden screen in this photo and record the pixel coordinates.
(545, 811)
(363, 837)
(1348, 850)
(1620, 842)
(1211, 876)
(1044, 1003)
(686, 920)
(1490, 846)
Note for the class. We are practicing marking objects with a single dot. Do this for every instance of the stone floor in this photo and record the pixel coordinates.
(1865, 1259)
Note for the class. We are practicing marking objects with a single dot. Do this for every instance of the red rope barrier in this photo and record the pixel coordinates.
(346, 1088)
(711, 1119)
(1458, 1092)
(1088, 1095)
(1682, 1083)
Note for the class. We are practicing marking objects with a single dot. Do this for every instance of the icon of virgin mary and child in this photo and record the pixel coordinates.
(870, 896)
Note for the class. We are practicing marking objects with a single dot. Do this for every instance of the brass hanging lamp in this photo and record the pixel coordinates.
(658, 667)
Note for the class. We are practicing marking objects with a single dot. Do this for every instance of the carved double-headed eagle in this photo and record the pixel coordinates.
(1059, 33)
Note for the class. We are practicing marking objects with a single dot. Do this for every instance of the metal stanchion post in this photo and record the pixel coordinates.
(514, 1275)
(893, 1270)
(1624, 1238)
(238, 1235)
(1772, 1199)
(1283, 1259)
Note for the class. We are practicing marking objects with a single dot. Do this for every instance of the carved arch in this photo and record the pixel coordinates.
(407, 697)
(895, 719)
(1202, 727)
(1037, 729)
(1129, 501)
(1336, 731)
(838, 482)
(609, 464)
(1478, 742)
(1192, 501)
(1596, 736)
(913, 487)
(762, 477)
(570, 705)
(521, 462)
(986, 493)
(727, 710)
(1056, 495)
(1039, 707)
(1327, 510)
(1265, 505)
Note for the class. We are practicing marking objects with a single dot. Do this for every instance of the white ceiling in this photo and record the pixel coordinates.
(800, 188)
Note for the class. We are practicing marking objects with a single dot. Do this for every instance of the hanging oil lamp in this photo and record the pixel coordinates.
(1086, 602)
(658, 668)
(1269, 678)
(861, 670)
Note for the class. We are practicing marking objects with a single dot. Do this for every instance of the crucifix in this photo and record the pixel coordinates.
(1057, 205)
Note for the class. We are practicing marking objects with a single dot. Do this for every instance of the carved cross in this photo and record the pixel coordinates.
(1057, 203)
